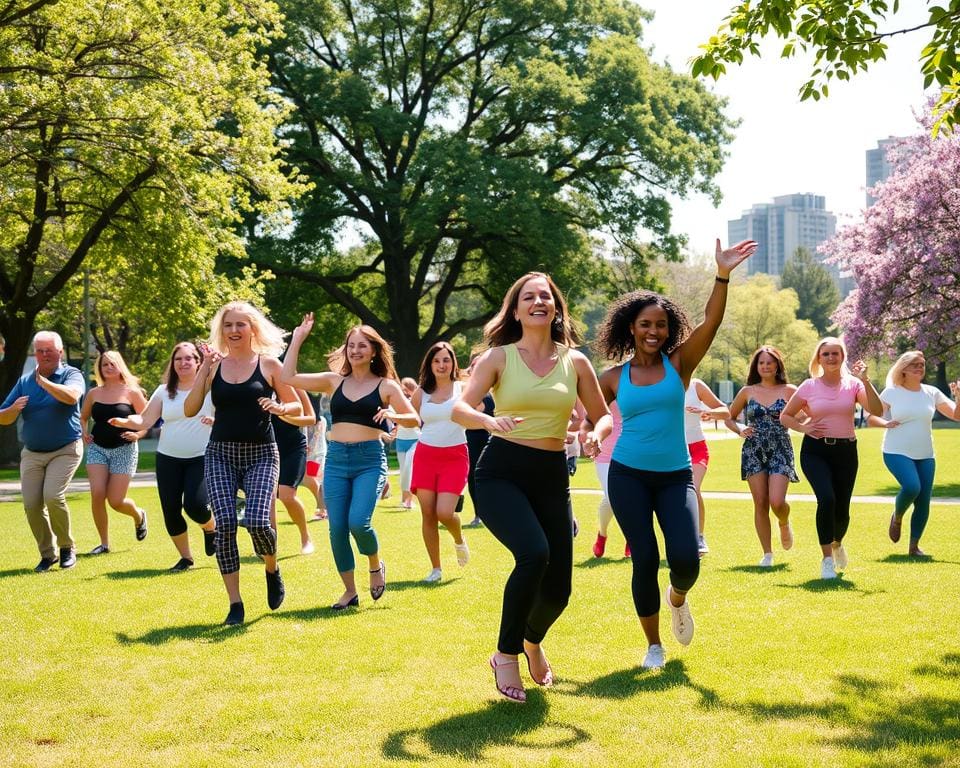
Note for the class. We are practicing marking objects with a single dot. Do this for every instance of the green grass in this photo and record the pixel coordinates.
(117, 662)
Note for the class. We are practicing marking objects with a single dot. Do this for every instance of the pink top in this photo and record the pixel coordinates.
(606, 448)
(833, 407)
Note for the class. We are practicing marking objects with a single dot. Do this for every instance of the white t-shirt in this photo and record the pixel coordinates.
(914, 410)
(182, 437)
(692, 425)
(439, 430)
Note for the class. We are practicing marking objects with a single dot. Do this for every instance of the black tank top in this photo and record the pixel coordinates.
(105, 435)
(239, 417)
(290, 438)
(362, 411)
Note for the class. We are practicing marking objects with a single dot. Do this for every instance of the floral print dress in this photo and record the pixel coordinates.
(769, 450)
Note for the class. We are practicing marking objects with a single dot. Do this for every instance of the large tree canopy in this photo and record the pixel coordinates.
(845, 36)
(905, 255)
(814, 286)
(467, 141)
(132, 133)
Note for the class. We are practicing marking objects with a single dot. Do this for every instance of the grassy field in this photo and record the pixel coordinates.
(118, 662)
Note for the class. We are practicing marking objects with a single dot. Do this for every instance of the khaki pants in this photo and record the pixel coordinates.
(44, 477)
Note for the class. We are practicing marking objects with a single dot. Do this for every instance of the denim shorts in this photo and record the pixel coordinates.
(119, 461)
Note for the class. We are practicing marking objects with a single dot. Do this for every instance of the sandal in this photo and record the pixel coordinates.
(512, 693)
(377, 592)
(547, 680)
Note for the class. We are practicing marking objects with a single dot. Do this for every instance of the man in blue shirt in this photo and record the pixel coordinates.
(48, 400)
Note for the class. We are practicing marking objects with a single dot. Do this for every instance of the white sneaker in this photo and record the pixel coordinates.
(307, 549)
(434, 576)
(840, 557)
(767, 561)
(463, 554)
(655, 658)
(702, 548)
(682, 619)
(827, 571)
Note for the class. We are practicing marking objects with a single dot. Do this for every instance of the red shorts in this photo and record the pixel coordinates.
(313, 468)
(699, 453)
(443, 470)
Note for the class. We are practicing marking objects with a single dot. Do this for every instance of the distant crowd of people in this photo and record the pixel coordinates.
(240, 431)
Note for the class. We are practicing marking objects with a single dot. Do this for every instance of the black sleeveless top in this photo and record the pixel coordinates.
(239, 417)
(362, 411)
(105, 435)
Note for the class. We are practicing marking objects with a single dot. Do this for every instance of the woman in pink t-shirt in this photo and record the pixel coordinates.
(828, 453)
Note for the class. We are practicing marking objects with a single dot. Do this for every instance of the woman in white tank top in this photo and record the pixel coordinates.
(440, 462)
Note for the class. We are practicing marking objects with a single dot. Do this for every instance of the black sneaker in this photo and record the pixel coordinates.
(235, 615)
(68, 558)
(275, 589)
(182, 564)
(210, 543)
(142, 525)
(100, 549)
(45, 564)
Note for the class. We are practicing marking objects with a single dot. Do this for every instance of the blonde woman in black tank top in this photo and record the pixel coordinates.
(241, 372)
(364, 393)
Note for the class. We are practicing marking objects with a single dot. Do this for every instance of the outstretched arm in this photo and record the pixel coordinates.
(311, 382)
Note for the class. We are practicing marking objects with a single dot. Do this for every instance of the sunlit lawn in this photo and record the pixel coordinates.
(117, 663)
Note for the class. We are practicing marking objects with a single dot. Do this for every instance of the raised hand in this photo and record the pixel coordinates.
(303, 330)
(209, 355)
(859, 369)
(729, 258)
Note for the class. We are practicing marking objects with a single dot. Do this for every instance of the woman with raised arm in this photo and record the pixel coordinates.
(364, 394)
(241, 372)
(112, 452)
(766, 458)
(700, 404)
(441, 462)
(180, 450)
(522, 486)
(908, 409)
(828, 453)
(650, 472)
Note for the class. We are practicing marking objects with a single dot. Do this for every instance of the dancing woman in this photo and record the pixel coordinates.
(650, 472)
(242, 374)
(908, 409)
(766, 458)
(112, 452)
(828, 453)
(522, 484)
(364, 394)
(183, 442)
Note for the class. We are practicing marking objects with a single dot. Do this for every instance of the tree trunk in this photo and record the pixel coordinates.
(18, 332)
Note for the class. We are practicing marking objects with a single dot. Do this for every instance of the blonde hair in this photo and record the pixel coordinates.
(895, 374)
(128, 379)
(267, 339)
(814, 368)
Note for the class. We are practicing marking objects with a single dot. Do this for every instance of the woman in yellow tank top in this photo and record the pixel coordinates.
(522, 485)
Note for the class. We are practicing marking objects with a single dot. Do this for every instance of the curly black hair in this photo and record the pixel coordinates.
(614, 337)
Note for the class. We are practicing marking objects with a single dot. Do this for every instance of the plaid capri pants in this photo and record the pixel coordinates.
(255, 467)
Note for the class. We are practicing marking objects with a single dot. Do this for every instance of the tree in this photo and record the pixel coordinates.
(132, 134)
(905, 255)
(468, 141)
(810, 280)
(845, 38)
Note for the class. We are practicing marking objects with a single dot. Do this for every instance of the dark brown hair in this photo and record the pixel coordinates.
(753, 375)
(170, 376)
(504, 328)
(428, 382)
(614, 337)
(382, 363)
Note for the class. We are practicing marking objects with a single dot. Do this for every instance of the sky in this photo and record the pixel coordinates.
(783, 145)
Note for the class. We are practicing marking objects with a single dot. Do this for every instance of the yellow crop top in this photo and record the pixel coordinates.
(544, 403)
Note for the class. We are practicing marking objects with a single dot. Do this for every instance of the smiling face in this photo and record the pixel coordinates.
(236, 330)
(442, 365)
(47, 353)
(830, 357)
(186, 360)
(650, 329)
(359, 349)
(536, 305)
(109, 371)
(767, 366)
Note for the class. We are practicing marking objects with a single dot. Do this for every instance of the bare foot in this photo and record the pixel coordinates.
(537, 664)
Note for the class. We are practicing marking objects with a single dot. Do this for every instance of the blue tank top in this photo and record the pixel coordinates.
(653, 437)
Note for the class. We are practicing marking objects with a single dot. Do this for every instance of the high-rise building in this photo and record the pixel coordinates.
(780, 227)
(879, 167)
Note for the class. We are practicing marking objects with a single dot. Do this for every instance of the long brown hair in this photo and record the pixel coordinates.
(382, 363)
(170, 376)
(753, 374)
(428, 382)
(504, 328)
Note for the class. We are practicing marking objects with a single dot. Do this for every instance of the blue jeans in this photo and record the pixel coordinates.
(915, 477)
(353, 477)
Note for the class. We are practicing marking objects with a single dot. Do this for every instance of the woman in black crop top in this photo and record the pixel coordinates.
(364, 394)
(111, 452)
(242, 375)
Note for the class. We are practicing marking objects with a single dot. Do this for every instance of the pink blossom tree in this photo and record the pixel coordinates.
(905, 254)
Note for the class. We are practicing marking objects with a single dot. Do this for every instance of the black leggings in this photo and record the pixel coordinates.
(476, 442)
(523, 498)
(180, 487)
(832, 471)
(635, 495)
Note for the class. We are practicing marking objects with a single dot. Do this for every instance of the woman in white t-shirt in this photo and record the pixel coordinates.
(908, 408)
(183, 441)
(700, 404)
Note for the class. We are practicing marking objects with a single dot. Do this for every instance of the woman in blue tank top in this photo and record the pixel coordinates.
(650, 470)
(364, 393)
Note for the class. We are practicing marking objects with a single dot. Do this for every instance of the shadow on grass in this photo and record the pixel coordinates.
(15, 572)
(839, 584)
(626, 683)
(775, 568)
(914, 560)
(403, 586)
(207, 633)
(878, 724)
(601, 562)
(468, 736)
(137, 573)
